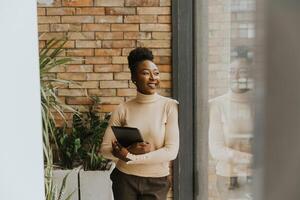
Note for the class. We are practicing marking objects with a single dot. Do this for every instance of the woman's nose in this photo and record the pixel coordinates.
(152, 76)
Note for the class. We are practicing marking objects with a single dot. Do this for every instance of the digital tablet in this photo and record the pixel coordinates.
(127, 136)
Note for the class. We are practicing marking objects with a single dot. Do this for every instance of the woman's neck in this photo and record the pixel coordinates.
(146, 98)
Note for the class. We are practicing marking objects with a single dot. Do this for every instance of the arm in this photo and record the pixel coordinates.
(109, 137)
(170, 149)
(217, 146)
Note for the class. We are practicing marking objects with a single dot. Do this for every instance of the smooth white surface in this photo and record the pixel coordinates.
(21, 156)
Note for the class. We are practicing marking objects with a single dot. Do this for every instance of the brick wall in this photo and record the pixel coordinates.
(100, 34)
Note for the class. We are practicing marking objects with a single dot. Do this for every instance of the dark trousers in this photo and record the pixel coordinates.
(129, 187)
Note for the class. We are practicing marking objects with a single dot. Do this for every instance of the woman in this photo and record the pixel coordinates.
(230, 134)
(142, 169)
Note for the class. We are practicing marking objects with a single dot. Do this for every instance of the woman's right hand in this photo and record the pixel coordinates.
(139, 148)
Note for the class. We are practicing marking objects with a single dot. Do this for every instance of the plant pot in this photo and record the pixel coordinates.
(96, 185)
(71, 185)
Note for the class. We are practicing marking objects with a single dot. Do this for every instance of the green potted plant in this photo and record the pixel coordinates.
(80, 146)
(48, 59)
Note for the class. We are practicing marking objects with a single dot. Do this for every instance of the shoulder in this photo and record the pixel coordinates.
(218, 100)
(169, 101)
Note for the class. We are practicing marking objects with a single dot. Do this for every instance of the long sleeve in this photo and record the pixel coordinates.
(217, 146)
(171, 144)
(109, 137)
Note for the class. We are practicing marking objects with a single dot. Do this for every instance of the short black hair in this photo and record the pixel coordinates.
(136, 56)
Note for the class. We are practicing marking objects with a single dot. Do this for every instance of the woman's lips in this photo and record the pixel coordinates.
(152, 85)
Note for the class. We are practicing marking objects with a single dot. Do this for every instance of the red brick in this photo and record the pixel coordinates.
(164, 19)
(60, 68)
(80, 35)
(90, 11)
(141, 2)
(49, 36)
(108, 68)
(43, 27)
(56, 3)
(109, 35)
(60, 11)
(119, 60)
(79, 68)
(165, 76)
(165, 84)
(126, 51)
(161, 52)
(120, 11)
(108, 19)
(154, 43)
(109, 3)
(164, 68)
(84, 84)
(71, 76)
(99, 76)
(137, 35)
(162, 60)
(88, 44)
(107, 52)
(113, 84)
(126, 92)
(122, 76)
(48, 19)
(140, 19)
(41, 11)
(154, 11)
(111, 100)
(165, 3)
(41, 44)
(77, 61)
(60, 85)
(132, 85)
(72, 92)
(77, 19)
(102, 92)
(96, 27)
(107, 108)
(98, 60)
(155, 27)
(118, 44)
(125, 27)
(80, 52)
(79, 101)
(161, 35)
(67, 45)
(65, 27)
(166, 92)
(77, 2)
(126, 68)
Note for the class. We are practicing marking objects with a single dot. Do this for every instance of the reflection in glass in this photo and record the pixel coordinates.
(231, 45)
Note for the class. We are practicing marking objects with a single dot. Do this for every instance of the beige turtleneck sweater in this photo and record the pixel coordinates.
(157, 119)
(230, 133)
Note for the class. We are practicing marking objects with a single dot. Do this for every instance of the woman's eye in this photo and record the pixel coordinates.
(145, 73)
(156, 73)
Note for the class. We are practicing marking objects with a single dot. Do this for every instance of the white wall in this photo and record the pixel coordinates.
(21, 158)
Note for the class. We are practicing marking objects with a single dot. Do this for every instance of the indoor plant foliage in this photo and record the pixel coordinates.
(81, 144)
(48, 59)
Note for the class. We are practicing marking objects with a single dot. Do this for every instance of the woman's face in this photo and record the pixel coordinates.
(147, 77)
(240, 80)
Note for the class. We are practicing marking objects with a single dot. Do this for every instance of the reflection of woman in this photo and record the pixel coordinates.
(230, 132)
(142, 169)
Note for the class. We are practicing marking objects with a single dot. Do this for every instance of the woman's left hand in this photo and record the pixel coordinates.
(119, 151)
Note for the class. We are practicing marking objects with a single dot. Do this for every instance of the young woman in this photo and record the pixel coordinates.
(230, 134)
(142, 169)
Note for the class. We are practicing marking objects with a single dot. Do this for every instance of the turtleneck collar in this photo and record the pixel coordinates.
(240, 97)
(146, 98)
